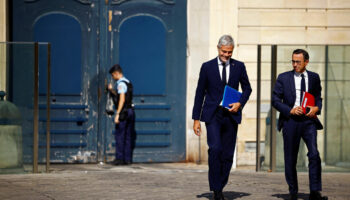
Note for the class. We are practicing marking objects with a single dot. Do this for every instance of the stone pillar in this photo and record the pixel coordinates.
(207, 21)
(3, 38)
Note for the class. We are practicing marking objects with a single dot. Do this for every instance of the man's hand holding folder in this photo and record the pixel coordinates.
(312, 111)
(307, 107)
(235, 107)
(230, 99)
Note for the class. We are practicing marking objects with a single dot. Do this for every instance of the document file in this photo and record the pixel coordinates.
(230, 96)
(308, 100)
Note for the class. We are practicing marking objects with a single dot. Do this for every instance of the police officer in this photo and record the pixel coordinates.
(124, 117)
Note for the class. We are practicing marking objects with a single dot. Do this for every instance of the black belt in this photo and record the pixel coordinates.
(222, 110)
(300, 118)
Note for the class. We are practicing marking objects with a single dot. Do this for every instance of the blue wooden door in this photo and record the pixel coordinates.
(71, 26)
(148, 39)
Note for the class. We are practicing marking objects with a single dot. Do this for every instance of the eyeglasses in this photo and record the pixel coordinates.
(298, 62)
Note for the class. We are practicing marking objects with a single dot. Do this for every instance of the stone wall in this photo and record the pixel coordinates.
(253, 22)
(304, 22)
(207, 21)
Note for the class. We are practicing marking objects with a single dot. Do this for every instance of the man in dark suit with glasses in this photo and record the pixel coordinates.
(287, 98)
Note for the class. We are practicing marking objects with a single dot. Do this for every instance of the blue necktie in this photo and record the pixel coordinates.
(224, 73)
(302, 88)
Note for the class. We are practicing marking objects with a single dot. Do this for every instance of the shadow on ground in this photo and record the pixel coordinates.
(228, 195)
(286, 196)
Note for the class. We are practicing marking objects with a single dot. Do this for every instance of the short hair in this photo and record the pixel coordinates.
(226, 40)
(117, 68)
(305, 53)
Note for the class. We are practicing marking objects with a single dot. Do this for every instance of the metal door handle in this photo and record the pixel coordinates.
(106, 85)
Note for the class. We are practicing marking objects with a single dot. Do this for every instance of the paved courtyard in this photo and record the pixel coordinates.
(156, 181)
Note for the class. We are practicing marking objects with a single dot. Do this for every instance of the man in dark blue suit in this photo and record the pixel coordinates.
(221, 123)
(287, 97)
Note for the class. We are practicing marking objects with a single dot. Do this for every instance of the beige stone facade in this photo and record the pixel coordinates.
(253, 22)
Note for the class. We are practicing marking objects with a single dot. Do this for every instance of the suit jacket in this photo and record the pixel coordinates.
(210, 89)
(284, 95)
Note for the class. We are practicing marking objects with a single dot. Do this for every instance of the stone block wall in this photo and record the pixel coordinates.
(253, 22)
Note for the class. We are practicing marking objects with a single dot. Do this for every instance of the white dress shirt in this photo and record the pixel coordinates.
(227, 67)
(297, 81)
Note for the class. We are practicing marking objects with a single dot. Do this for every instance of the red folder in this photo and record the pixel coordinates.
(308, 100)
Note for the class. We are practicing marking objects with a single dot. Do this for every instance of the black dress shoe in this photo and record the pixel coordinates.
(218, 195)
(117, 162)
(293, 196)
(127, 162)
(316, 195)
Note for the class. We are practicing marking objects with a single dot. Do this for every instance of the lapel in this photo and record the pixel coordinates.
(309, 77)
(217, 71)
(292, 84)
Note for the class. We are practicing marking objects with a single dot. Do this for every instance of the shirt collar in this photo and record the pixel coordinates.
(299, 74)
(122, 79)
(220, 62)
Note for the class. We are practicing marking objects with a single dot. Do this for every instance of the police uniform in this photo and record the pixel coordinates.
(125, 129)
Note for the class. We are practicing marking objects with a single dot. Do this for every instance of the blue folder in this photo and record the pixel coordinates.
(230, 96)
